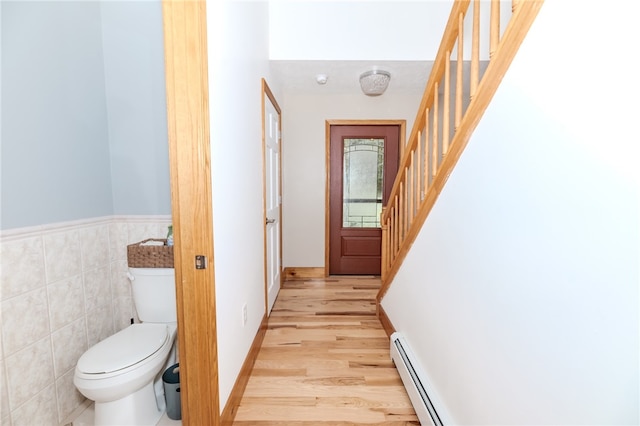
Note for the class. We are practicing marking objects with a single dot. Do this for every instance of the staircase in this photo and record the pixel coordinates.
(466, 73)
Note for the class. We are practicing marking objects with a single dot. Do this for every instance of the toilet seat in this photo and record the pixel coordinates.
(125, 349)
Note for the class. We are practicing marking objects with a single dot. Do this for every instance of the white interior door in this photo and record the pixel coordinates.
(273, 199)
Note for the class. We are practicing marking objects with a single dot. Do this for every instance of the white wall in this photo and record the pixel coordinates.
(520, 295)
(304, 156)
(354, 30)
(364, 30)
(237, 40)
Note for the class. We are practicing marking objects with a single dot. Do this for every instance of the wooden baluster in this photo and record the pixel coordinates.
(405, 195)
(475, 49)
(413, 188)
(397, 227)
(401, 213)
(407, 202)
(458, 116)
(392, 233)
(419, 170)
(446, 107)
(435, 131)
(426, 152)
(383, 245)
(416, 176)
(390, 255)
(392, 230)
(494, 31)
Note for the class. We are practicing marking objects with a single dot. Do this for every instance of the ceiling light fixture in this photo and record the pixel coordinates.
(374, 82)
(321, 79)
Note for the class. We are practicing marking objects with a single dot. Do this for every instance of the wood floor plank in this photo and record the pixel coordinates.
(323, 423)
(326, 423)
(325, 360)
(297, 413)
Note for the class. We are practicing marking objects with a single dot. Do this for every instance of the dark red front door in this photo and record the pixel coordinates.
(363, 165)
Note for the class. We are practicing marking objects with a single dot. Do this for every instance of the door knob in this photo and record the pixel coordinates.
(270, 221)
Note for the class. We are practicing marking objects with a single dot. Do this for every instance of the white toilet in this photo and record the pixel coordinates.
(122, 374)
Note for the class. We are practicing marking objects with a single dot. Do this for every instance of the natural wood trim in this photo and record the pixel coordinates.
(396, 223)
(384, 244)
(303, 273)
(263, 112)
(384, 320)
(418, 173)
(446, 107)
(327, 192)
(459, 74)
(512, 38)
(475, 50)
(334, 122)
(327, 126)
(427, 154)
(231, 408)
(494, 30)
(411, 191)
(266, 93)
(185, 42)
(436, 129)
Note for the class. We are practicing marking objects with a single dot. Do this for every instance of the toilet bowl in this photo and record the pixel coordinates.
(122, 373)
(118, 374)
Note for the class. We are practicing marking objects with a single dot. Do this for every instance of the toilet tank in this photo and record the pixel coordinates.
(154, 294)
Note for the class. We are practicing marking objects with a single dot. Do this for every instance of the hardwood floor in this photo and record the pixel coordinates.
(325, 360)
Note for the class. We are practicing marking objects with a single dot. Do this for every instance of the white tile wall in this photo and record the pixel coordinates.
(63, 288)
(25, 320)
(22, 266)
(68, 397)
(62, 255)
(4, 395)
(66, 301)
(39, 410)
(29, 371)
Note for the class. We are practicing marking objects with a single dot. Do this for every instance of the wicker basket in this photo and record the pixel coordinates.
(139, 256)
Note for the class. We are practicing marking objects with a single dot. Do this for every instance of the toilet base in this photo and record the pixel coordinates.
(137, 409)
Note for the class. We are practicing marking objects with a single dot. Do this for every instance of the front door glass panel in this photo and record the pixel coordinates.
(363, 172)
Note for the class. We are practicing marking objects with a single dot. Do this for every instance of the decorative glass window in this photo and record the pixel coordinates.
(363, 167)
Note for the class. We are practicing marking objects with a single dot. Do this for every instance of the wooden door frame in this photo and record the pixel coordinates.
(185, 43)
(268, 94)
(328, 123)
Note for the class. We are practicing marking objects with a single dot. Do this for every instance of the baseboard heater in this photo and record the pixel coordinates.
(409, 372)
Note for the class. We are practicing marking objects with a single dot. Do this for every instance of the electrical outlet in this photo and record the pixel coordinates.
(244, 314)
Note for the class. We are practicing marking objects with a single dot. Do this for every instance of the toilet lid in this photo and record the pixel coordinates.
(124, 349)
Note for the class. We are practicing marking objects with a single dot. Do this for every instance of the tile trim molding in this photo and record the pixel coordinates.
(38, 230)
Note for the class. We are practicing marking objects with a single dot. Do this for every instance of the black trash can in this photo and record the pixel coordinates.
(171, 382)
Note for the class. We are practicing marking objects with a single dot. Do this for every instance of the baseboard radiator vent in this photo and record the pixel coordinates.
(410, 373)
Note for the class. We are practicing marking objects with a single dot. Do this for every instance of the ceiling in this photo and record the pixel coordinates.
(342, 76)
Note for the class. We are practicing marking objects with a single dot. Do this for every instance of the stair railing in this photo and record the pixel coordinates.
(449, 113)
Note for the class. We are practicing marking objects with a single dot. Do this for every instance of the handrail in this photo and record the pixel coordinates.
(440, 132)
